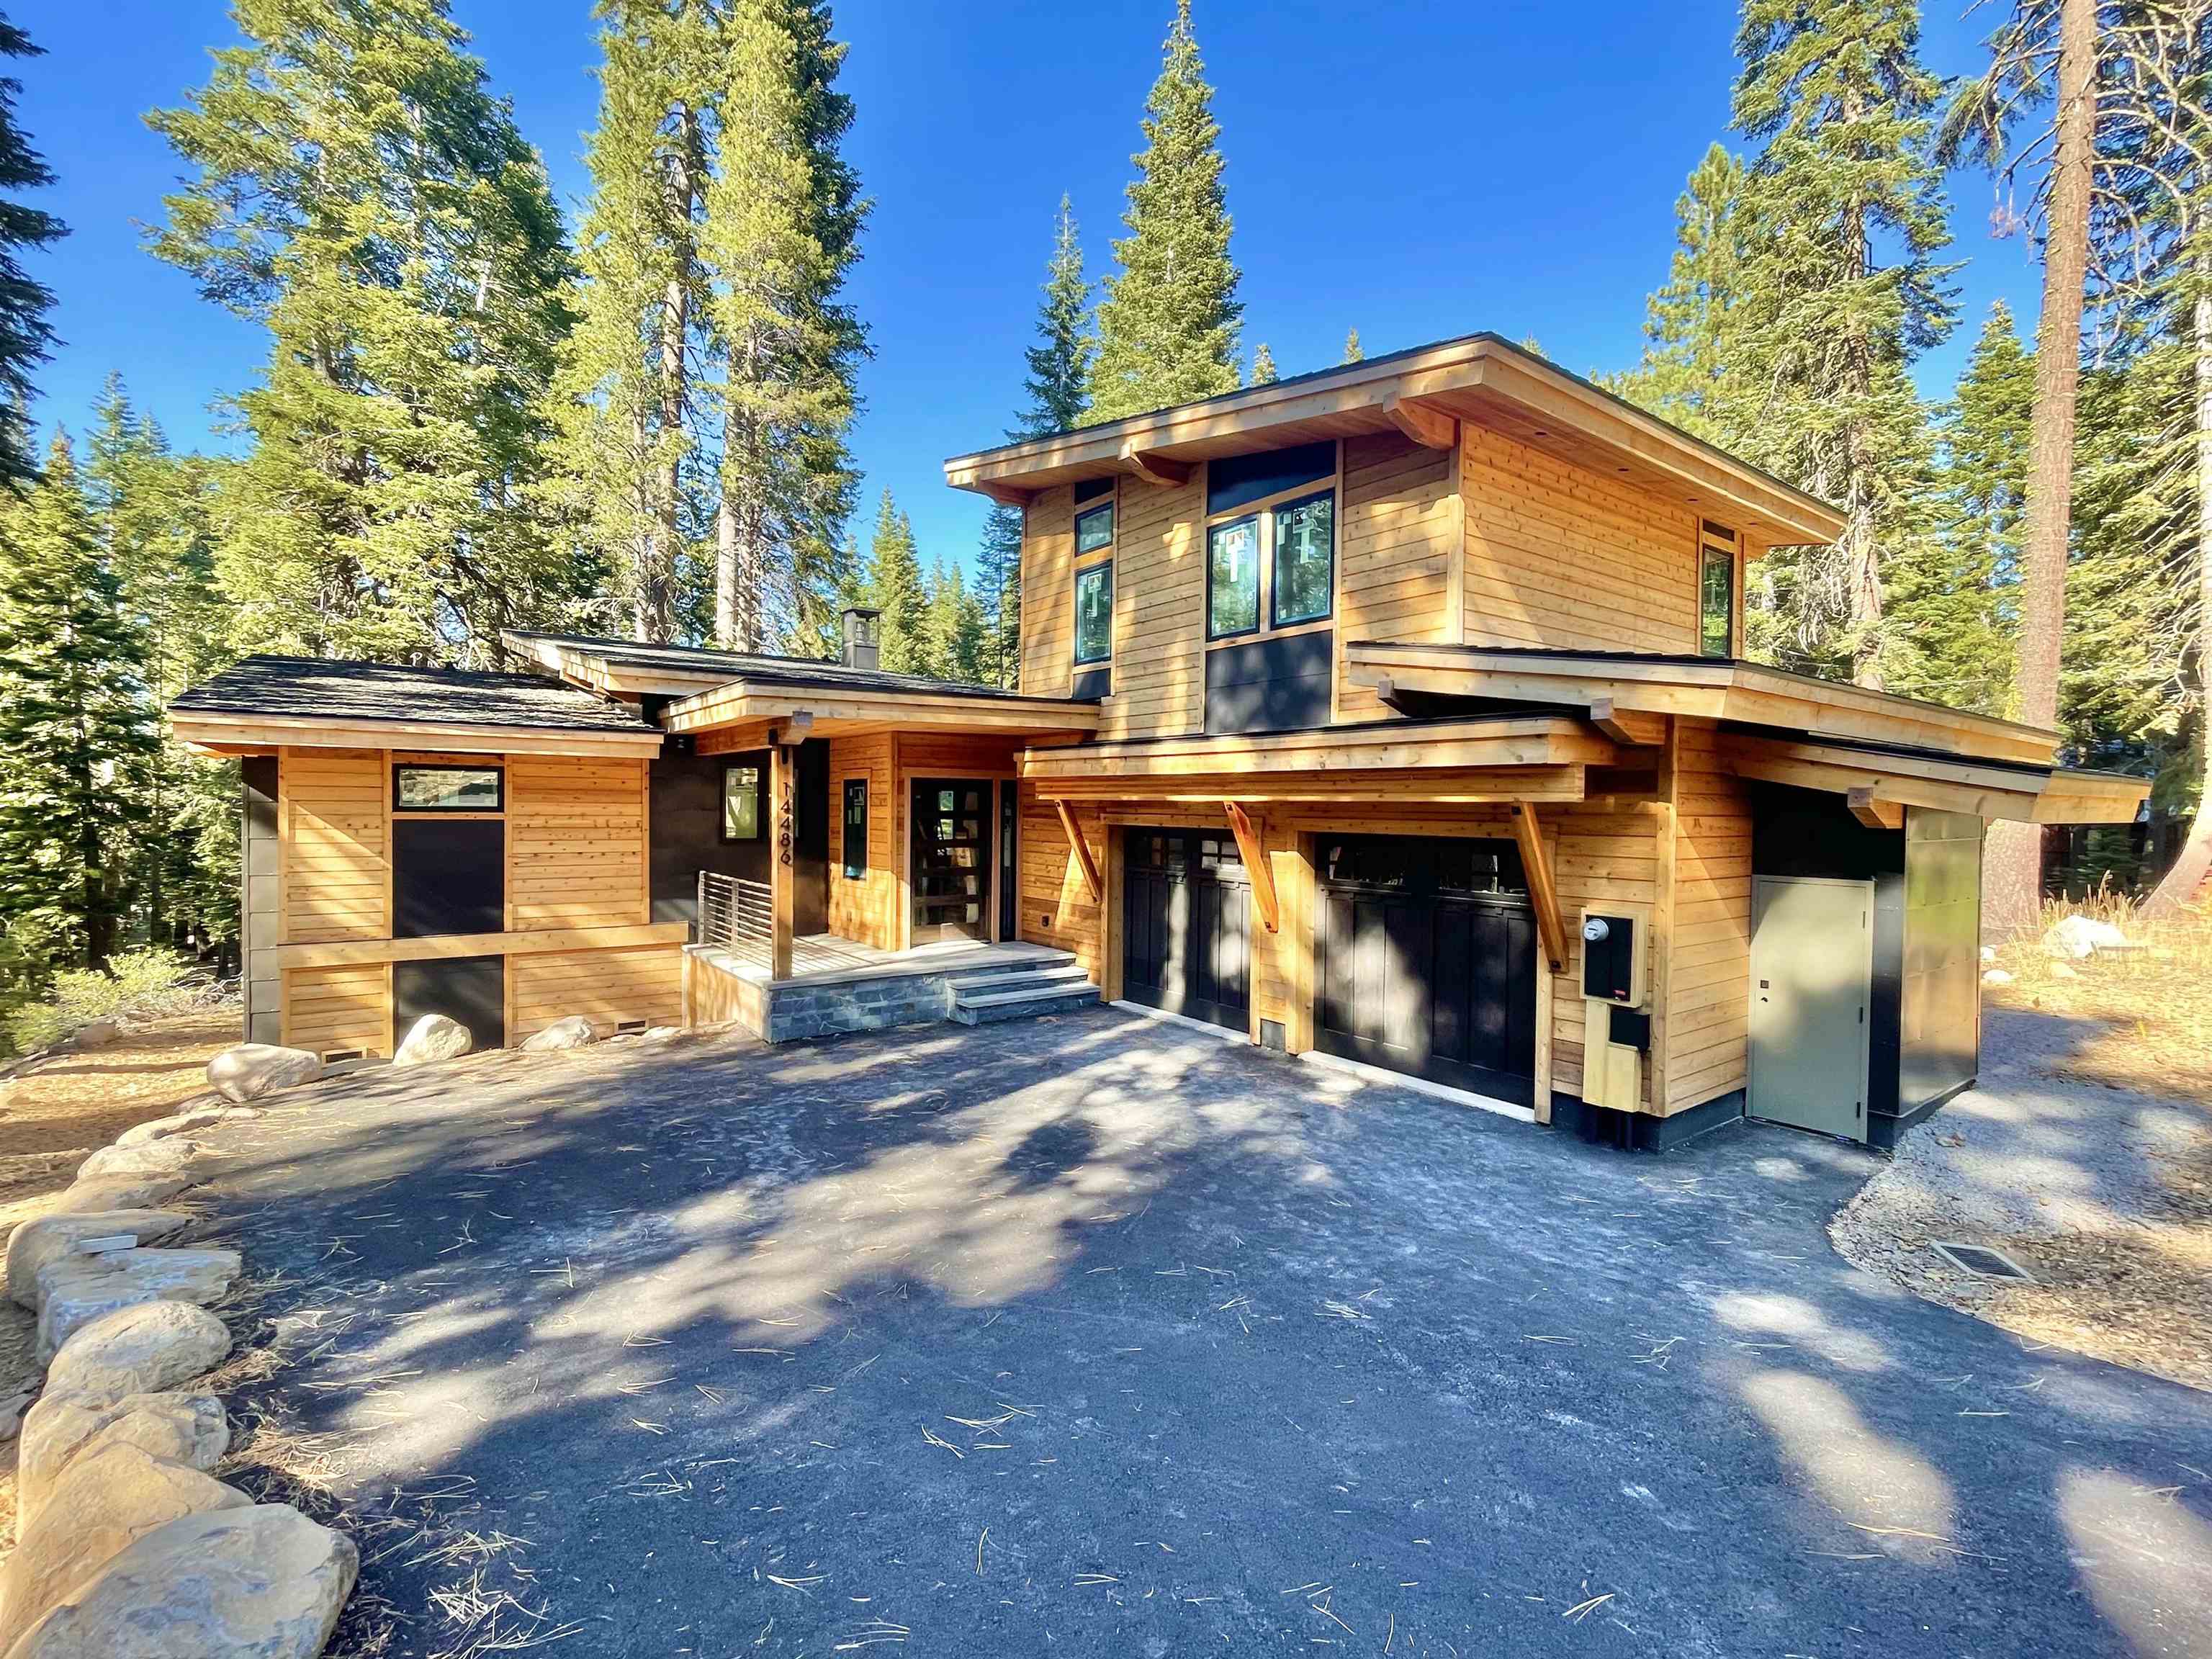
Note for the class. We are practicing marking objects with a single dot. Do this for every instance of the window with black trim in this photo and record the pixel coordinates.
(1094, 612)
(448, 788)
(741, 802)
(1270, 540)
(1094, 528)
(856, 828)
(1715, 594)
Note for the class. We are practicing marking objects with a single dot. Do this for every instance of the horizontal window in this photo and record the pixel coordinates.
(1232, 578)
(1305, 559)
(741, 802)
(447, 788)
(1094, 530)
(1094, 613)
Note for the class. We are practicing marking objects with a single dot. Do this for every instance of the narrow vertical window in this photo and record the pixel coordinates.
(1715, 597)
(1094, 613)
(856, 828)
(741, 802)
(1232, 578)
(1305, 559)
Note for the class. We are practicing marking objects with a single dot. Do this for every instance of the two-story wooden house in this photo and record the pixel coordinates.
(1393, 715)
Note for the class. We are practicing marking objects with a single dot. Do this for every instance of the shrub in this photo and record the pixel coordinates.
(138, 985)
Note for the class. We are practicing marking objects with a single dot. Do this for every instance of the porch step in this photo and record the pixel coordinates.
(1043, 976)
(1058, 992)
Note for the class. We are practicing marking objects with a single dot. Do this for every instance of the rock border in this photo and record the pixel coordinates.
(119, 1524)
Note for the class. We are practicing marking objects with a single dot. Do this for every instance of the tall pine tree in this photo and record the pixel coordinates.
(1689, 373)
(894, 586)
(356, 189)
(25, 333)
(1263, 366)
(76, 735)
(782, 229)
(1168, 325)
(1835, 94)
(1353, 351)
(1058, 388)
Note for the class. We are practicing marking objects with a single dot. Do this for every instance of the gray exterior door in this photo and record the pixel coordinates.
(1812, 977)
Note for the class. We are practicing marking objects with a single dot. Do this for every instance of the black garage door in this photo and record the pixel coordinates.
(1426, 960)
(1187, 926)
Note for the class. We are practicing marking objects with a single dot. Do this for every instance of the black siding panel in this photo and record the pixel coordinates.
(448, 876)
(1274, 684)
(469, 989)
(1093, 683)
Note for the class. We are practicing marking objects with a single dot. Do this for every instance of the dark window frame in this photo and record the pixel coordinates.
(499, 803)
(1105, 509)
(855, 789)
(760, 804)
(1097, 567)
(1275, 617)
(1259, 577)
(1710, 550)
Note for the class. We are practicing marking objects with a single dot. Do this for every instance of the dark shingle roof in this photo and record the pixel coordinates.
(808, 671)
(314, 688)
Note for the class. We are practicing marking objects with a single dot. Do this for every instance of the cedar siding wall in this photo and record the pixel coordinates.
(1048, 658)
(1394, 551)
(1159, 612)
(1601, 857)
(1561, 557)
(868, 910)
(1707, 981)
(576, 831)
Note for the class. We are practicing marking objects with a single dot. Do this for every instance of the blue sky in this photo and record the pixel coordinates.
(1433, 169)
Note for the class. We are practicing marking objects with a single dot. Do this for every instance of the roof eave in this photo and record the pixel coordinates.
(1481, 379)
(243, 732)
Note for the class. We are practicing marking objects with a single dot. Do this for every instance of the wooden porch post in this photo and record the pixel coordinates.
(782, 763)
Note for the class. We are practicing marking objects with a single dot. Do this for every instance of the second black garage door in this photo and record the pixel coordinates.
(1426, 960)
(1187, 926)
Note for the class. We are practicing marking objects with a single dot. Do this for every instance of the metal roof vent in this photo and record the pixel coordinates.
(864, 635)
(1982, 1261)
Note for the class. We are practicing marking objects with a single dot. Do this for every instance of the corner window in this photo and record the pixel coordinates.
(1305, 559)
(1094, 613)
(447, 788)
(741, 802)
(856, 828)
(1715, 594)
(1232, 578)
(1094, 529)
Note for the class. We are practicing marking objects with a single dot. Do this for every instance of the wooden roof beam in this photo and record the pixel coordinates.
(1543, 892)
(1425, 424)
(1874, 812)
(1093, 883)
(1636, 728)
(1256, 869)
(1148, 468)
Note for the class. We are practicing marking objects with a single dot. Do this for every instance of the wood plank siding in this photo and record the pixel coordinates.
(639, 986)
(1705, 1007)
(576, 832)
(869, 909)
(333, 820)
(1159, 612)
(1047, 659)
(1397, 551)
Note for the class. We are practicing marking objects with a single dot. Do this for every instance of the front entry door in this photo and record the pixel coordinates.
(1812, 972)
(951, 853)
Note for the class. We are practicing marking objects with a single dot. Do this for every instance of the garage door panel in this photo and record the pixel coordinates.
(1427, 962)
(1186, 927)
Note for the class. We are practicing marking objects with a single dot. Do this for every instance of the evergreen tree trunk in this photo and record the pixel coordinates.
(2181, 883)
(2012, 869)
(656, 587)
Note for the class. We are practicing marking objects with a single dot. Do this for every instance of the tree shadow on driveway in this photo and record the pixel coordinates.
(1098, 1335)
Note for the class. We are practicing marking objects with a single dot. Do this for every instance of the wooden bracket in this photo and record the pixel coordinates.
(1256, 867)
(1551, 931)
(1093, 883)
(1154, 469)
(1627, 726)
(1005, 494)
(1876, 814)
(1427, 426)
(795, 727)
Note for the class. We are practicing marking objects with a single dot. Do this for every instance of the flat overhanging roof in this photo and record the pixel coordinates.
(1422, 393)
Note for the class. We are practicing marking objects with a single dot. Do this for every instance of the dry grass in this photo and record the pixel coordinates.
(2152, 1006)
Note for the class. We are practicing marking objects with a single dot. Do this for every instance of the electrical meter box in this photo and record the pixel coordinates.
(1616, 1023)
(1613, 959)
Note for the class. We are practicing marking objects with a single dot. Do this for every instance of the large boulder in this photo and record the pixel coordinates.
(264, 1583)
(138, 1192)
(104, 1502)
(173, 1156)
(139, 1350)
(433, 1037)
(2077, 938)
(180, 1428)
(248, 1071)
(79, 1289)
(50, 1237)
(177, 1123)
(574, 1032)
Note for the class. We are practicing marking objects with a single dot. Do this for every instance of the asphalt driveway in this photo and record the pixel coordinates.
(1098, 1336)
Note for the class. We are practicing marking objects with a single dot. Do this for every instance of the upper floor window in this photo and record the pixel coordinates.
(1270, 540)
(1094, 528)
(1716, 591)
(1094, 612)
